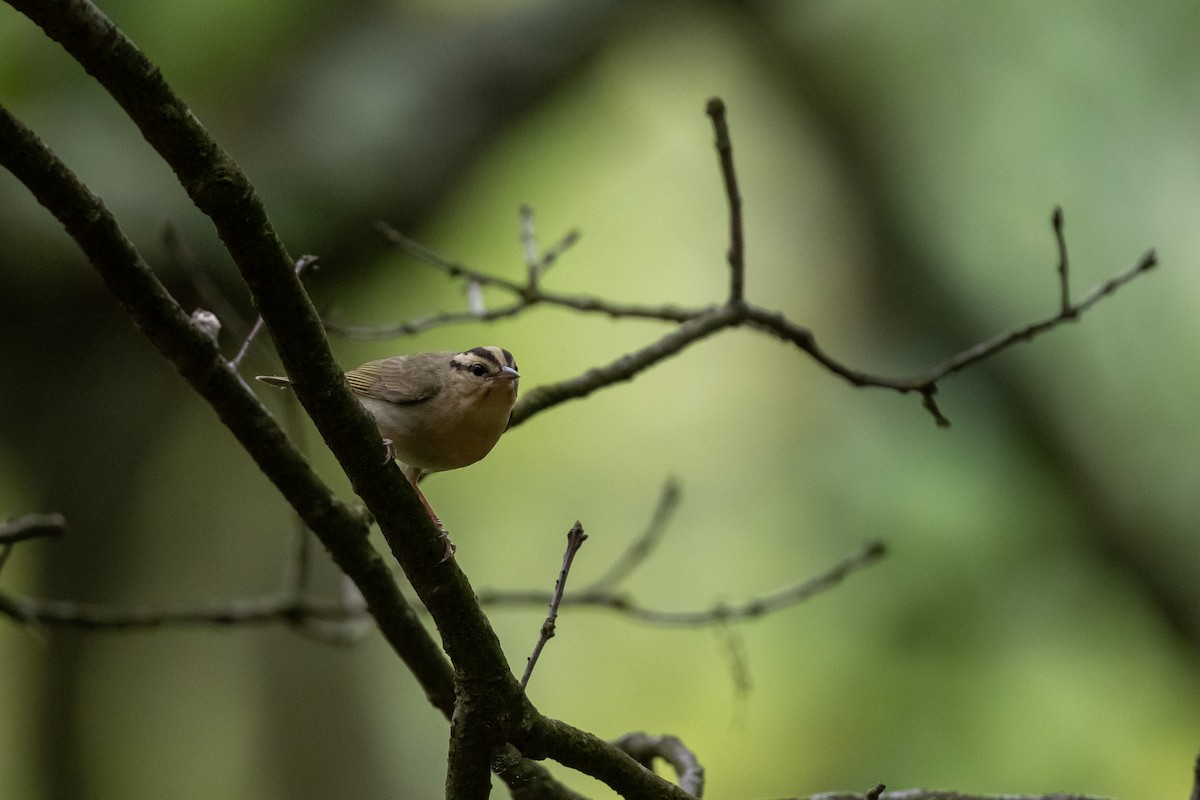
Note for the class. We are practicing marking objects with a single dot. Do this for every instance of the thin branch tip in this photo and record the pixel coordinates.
(32, 526)
(930, 405)
(575, 539)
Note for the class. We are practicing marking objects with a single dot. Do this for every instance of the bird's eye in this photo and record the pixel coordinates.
(478, 370)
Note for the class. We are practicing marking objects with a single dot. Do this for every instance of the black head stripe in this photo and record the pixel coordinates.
(487, 355)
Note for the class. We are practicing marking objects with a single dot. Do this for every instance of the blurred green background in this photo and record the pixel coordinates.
(1036, 626)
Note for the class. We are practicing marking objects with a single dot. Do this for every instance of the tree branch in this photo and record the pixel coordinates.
(194, 355)
(217, 186)
(750, 609)
(578, 749)
(268, 609)
(696, 324)
(489, 707)
(931, 794)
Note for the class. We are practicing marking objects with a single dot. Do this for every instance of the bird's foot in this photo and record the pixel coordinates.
(449, 545)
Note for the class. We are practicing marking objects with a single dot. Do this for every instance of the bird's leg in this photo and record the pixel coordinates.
(449, 545)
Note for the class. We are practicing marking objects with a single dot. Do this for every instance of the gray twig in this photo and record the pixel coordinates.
(643, 545)
(722, 612)
(644, 748)
(302, 265)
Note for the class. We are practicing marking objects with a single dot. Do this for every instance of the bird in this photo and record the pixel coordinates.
(435, 411)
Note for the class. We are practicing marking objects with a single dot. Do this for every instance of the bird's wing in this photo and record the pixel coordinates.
(398, 379)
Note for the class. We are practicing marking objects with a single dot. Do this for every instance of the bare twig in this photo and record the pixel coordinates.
(933, 794)
(1064, 282)
(575, 539)
(737, 245)
(644, 748)
(750, 609)
(734, 645)
(210, 295)
(698, 323)
(529, 246)
(28, 526)
(641, 547)
(286, 607)
(875, 792)
(537, 261)
(265, 610)
(302, 265)
(550, 257)
(994, 345)
(32, 526)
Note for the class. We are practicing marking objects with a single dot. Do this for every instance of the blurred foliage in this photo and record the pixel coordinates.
(1036, 626)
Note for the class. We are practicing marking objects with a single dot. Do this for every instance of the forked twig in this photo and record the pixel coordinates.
(695, 324)
(748, 609)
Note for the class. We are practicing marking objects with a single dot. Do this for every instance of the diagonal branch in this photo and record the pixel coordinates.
(643, 545)
(217, 186)
(194, 355)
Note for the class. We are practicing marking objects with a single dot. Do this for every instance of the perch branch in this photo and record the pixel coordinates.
(196, 357)
(217, 186)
